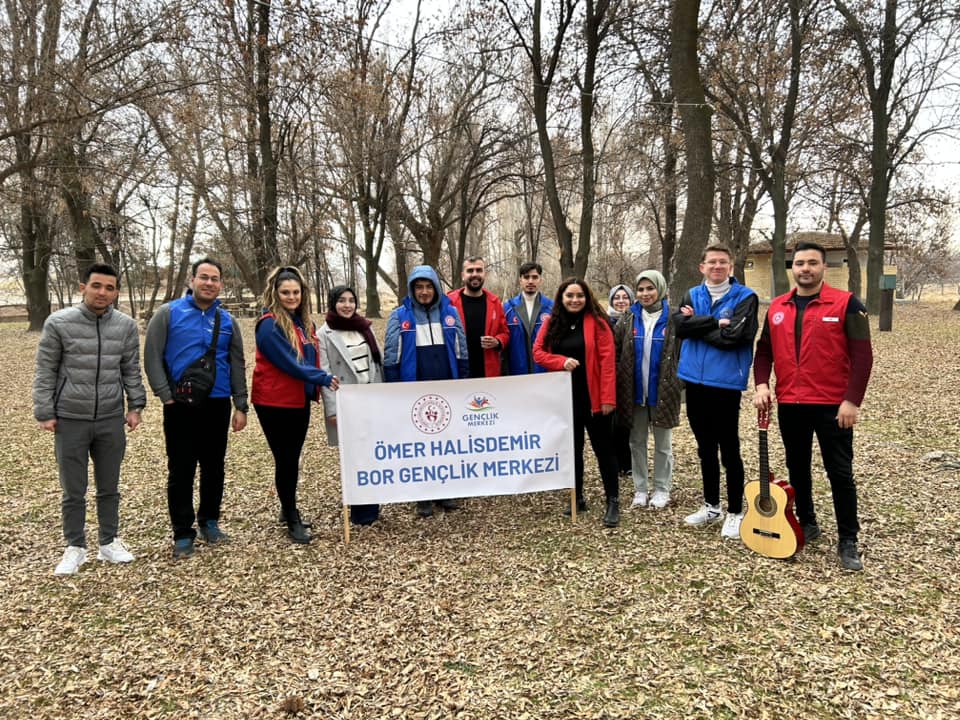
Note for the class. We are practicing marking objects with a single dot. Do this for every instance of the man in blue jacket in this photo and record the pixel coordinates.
(717, 323)
(178, 334)
(425, 341)
(525, 314)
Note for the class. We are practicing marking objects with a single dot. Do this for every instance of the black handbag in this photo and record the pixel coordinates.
(198, 379)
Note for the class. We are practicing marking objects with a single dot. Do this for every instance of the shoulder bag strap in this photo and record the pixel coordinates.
(212, 350)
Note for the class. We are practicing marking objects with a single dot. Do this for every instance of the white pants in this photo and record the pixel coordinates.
(662, 452)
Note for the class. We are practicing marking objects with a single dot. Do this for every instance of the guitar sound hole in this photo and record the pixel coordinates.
(766, 506)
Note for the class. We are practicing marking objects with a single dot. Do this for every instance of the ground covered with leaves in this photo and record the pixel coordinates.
(501, 610)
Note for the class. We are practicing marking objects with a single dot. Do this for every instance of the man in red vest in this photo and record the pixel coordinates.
(818, 340)
(483, 320)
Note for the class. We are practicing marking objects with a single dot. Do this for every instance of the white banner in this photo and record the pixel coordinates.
(455, 438)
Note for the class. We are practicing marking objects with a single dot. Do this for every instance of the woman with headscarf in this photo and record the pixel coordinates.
(576, 338)
(619, 301)
(648, 390)
(286, 377)
(350, 351)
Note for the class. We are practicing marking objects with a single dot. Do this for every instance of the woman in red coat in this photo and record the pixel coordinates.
(577, 339)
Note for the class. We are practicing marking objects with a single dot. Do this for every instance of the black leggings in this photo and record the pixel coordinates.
(285, 430)
(599, 428)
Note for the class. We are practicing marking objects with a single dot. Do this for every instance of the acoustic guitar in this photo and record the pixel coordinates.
(769, 526)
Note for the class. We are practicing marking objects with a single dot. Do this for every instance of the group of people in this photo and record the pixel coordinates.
(629, 368)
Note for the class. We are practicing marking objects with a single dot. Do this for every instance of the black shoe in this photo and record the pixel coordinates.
(811, 532)
(424, 508)
(581, 507)
(296, 529)
(611, 518)
(282, 520)
(448, 505)
(849, 556)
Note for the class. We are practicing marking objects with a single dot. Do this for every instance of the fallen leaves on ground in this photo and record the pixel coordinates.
(503, 609)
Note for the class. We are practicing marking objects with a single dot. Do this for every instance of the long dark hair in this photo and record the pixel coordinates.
(560, 318)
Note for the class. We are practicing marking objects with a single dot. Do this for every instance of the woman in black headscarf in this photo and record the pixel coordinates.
(349, 350)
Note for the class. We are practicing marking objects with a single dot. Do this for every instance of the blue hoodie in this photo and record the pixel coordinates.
(425, 342)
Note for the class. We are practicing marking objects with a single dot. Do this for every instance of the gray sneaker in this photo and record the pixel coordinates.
(849, 556)
(211, 533)
(182, 548)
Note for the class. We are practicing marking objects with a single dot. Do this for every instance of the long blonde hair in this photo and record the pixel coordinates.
(271, 301)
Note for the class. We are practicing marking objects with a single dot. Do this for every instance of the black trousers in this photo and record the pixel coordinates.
(286, 431)
(714, 415)
(798, 423)
(195, 435)
(600, 430)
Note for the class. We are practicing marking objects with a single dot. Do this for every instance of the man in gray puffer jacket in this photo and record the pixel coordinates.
(87, 359)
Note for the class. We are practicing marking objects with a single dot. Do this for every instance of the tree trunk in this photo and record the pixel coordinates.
(668, 239)
(695, 115)
(778, 260)
(35, 236)
(268, 163)
(879, 192)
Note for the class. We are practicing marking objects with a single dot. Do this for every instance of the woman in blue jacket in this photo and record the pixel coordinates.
(648, 390)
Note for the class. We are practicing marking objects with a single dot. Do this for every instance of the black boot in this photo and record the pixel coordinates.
(282, 520)
(296, 529)
(424, 508)
(612, 517)
(581, 506)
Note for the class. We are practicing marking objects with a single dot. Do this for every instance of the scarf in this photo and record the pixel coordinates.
(718, 291)
(660, 283)
(357, 323)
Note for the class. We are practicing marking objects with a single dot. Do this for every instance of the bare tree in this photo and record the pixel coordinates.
(594, 25)
(902, 50)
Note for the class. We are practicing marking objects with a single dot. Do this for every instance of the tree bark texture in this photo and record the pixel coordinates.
(695, 115)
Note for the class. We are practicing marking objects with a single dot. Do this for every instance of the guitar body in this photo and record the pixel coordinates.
(770, 527)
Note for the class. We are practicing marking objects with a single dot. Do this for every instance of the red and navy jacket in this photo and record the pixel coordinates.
(495, 326)
(280, 379)
(817, 369)
(601, 360)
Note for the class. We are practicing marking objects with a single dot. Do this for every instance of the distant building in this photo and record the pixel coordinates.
(759, 276)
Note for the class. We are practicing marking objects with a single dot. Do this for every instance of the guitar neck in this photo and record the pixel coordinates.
(764, 466)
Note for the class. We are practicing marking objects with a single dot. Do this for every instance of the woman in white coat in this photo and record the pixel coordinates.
(349, 351)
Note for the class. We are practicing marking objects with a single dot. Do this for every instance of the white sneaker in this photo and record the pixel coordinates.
(73, 558)
(731, 526)
(707, 515)
(639, 500)
(660, 499)
(115, 552)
